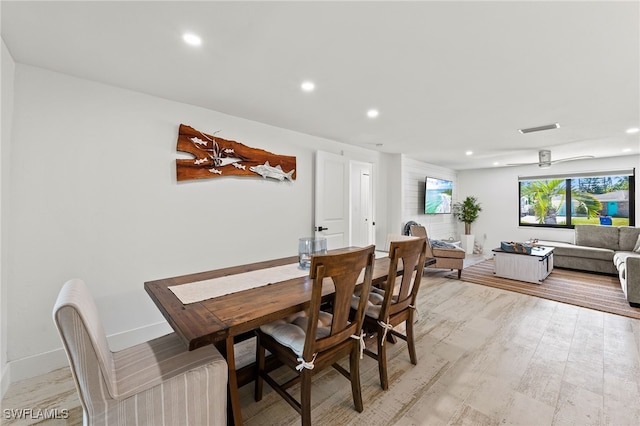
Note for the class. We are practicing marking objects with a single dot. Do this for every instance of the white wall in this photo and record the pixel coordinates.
(405, 180)
(394, 210)
(6, 117)
(94, 196)
(439, 226)
(497, 191)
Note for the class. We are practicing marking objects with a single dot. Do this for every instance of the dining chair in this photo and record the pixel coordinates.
(446, 258)
(311, 340)
(396, 237)
(394, 302)
(156, 382)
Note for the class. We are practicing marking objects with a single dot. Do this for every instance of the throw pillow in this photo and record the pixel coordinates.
(637, 247)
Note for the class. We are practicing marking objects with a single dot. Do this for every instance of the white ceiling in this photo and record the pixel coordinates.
(447, 77)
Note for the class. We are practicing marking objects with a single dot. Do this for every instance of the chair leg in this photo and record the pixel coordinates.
(391, 338)
(354, 375)
(410, 343)
(260, 361)
(459, 273)
(382, 362)
(305, 397)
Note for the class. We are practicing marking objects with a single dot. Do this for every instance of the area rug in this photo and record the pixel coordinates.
(593, 291)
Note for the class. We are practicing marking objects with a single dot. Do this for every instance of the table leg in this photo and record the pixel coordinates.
(234, 396)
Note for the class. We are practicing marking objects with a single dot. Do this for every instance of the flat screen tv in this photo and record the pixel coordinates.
(437, 196)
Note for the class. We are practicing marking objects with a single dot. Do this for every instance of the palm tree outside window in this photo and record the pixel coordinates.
(605, 200)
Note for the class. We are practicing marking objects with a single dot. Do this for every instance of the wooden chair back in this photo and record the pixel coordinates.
(342, 271)
(410, 255)
(421, 232)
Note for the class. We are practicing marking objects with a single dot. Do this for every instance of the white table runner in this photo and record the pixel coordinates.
(216, 287)
(208, 289)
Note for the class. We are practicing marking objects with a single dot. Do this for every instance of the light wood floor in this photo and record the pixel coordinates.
(485, 357)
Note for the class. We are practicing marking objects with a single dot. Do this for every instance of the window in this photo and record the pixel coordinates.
(599, 198)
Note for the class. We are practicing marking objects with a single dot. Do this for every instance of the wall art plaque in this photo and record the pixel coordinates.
(216, 157)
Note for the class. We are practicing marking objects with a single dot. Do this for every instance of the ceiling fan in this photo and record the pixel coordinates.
(544, 159)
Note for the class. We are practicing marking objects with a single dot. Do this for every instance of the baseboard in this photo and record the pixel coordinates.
(35, 365)
(129, 338)
(5, 379)
(46, 362)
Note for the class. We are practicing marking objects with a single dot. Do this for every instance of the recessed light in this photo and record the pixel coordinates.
(308, 86)
(373, 113)
(496, 163)
(633, 130)
(192, 39)
(626, 150)
(469, 153)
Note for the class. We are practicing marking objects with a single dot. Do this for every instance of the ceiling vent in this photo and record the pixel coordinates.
(540, 128)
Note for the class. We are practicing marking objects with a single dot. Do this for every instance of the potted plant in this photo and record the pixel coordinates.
(467, 211)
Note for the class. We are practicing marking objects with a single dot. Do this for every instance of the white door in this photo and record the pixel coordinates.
(332, 199)
(361, 204)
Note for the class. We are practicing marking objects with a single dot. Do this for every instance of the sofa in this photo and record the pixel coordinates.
(611, 250)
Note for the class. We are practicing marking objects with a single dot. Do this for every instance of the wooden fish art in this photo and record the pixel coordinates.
(266, 171)
(215, 157)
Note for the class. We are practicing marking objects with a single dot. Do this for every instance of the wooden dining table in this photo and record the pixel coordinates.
(223, 320)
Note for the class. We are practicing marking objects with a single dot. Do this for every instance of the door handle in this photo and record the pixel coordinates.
(321, 228)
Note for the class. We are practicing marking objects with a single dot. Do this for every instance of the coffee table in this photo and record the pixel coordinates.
(532, 268)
